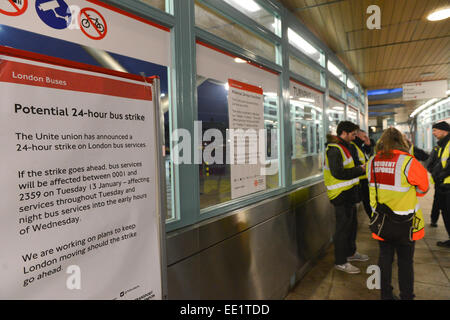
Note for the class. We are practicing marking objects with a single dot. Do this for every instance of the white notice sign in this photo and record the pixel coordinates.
(78, 182)
(246, 117)
(425, 90)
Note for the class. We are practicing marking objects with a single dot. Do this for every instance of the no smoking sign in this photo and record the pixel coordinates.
(13, 7)
(92, 23)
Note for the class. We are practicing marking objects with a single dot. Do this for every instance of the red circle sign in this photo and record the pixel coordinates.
(92, 23)
(14, 7)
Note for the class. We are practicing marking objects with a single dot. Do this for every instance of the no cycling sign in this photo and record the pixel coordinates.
(92, 23)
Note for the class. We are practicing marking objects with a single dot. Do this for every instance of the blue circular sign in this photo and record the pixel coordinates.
(54, 13)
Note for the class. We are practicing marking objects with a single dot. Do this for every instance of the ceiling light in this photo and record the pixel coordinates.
(439, 15)
(248, 5)
(239, 60)
(383, 91)
(300, 43)
(427, 74)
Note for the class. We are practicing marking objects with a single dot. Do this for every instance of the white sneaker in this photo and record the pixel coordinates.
(348, 267)
(358, 257)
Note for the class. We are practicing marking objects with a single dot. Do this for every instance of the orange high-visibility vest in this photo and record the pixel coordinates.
(400, 179)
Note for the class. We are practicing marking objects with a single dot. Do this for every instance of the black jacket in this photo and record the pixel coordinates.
(432, 159)
(439, 173)
(420, 155)
(368, 150)
(351, 196)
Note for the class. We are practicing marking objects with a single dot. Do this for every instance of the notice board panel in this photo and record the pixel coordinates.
(81, 210)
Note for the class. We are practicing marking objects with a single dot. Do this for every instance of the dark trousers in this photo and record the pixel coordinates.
(345, 234)
(435, 210)
(444, 205)
(364, 193)
(405, 254)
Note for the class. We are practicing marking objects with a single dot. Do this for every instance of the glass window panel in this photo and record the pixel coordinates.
(213, 93)
(224, 28)
(159, 4)
(352, 115)
(335, 86)
(257, 13)
(362, 121)
(335, 70)
(351, 98)
(304, 46)
(335, 113)
(304, 70)
(306, 106)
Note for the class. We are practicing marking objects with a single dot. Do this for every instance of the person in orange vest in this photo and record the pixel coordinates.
(400, 179)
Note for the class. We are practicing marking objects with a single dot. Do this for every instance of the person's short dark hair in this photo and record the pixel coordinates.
(346, 126)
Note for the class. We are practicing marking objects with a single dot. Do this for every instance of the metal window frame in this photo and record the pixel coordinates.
(180, 18)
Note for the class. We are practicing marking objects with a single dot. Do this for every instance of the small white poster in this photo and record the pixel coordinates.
(79, 202)
(246, 124)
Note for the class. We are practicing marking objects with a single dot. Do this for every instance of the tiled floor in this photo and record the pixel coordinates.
(431, 267)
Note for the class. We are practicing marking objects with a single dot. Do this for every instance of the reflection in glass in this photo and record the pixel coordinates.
(362, 121)
(215, 184)
(304, 70)
(159, 4)
(335, 70)
(257, 13)
(215, 23)
(307, 137)
(352, 115)
(297, 41)
(335, 114)
(336, 87)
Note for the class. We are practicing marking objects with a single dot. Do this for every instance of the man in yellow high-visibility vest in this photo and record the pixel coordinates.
(441, 175)
(342, 181)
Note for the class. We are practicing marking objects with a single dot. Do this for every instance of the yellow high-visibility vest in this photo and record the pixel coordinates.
(444, 159)
(335, 186)
(361, 157)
